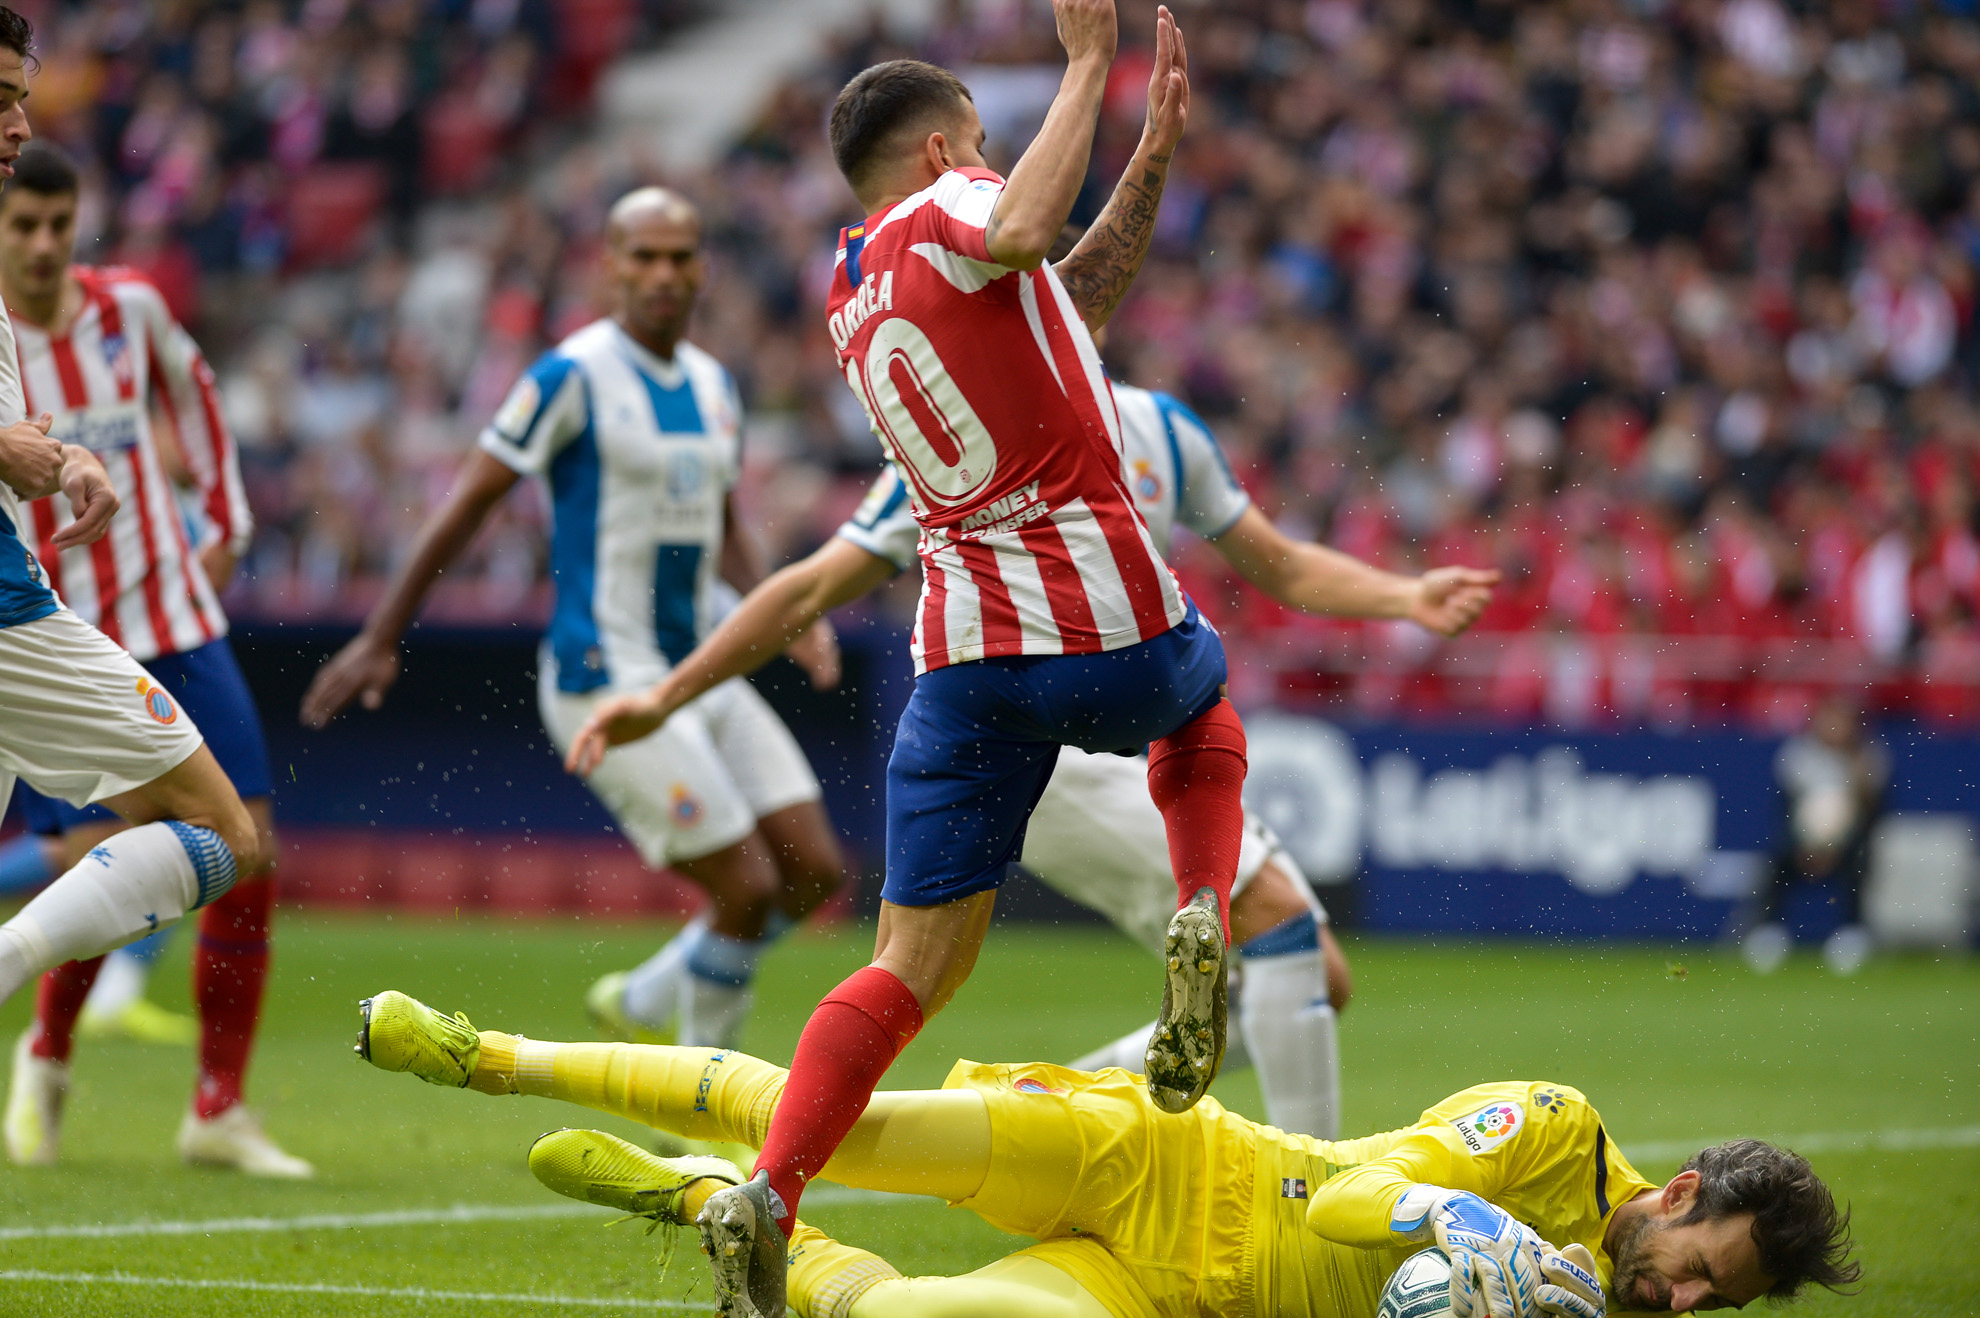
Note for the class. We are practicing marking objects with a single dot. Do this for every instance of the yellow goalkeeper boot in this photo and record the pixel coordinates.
(400, 1033)
(604, 1169)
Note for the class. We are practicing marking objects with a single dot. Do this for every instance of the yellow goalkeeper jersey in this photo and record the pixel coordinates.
(1535, 1149)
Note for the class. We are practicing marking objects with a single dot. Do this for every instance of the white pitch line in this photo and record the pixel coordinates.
(457, 1215)
(328, 1288)
(1835, 1141)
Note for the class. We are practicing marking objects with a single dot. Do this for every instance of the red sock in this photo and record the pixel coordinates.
(850, 1041)
(58, 1000)
(230, 968)
(1196, 776)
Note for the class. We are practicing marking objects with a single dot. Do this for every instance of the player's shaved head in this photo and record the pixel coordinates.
(653, 260)
(886, 112)
(645, 205)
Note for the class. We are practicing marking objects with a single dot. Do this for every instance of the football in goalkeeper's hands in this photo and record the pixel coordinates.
(1420, 1288)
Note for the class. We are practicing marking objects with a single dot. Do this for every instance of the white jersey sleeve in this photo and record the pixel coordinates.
(883, 524)
(547, 409)
(1209, 499)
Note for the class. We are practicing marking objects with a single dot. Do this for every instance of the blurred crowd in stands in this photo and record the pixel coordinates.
(1666, 308)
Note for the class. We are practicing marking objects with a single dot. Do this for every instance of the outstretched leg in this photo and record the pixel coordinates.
(932, 1142)
(831, 1280)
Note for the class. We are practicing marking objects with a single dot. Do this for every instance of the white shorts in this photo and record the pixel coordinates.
(702, 781)
(1097, 837)
(81, 719)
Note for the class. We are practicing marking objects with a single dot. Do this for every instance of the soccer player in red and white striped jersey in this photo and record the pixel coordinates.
(118, 353)
(1031, 542)
(98, 350)
(1047, 616)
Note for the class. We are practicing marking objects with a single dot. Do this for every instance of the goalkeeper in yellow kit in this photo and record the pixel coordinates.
(1141, 1213)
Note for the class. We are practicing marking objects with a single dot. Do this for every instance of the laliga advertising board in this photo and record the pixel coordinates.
(1535, 831)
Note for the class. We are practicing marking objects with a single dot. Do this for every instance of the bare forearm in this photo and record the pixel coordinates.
(440, 542)
(1323, 580)
(769, 618)
(1099, 271)
(1039, 195)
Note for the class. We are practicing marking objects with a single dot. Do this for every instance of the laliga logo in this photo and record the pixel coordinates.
(1546, 813)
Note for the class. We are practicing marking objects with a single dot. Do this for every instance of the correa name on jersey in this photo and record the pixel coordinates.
(871, 296)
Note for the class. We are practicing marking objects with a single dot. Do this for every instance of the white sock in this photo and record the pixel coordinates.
(141, 880)
(1288, 1023)
(653, 988)
(119, 984)
(715, 994)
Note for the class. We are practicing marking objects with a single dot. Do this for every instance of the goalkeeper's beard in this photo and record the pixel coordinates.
(1632, 1267)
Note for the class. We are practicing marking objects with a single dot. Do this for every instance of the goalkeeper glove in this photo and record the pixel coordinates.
(1495, 1261)
(1568, 1285)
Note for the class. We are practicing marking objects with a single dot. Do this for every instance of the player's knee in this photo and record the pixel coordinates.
(229, 819)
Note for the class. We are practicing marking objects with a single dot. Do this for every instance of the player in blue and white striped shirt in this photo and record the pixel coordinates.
(638, 436)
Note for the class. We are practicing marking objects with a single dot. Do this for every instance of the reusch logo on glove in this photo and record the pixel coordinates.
(1489, 1127)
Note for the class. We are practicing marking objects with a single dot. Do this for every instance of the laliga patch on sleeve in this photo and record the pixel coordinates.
(1489, 1127)
(512, 422)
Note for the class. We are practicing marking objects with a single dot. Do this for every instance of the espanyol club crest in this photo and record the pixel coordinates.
(1147, 485)
(1026, 1085)
(683, 805)
(156, 702)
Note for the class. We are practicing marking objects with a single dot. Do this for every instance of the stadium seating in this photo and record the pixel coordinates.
(1668, 314)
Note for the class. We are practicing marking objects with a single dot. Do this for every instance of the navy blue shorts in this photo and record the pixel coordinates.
(978, 741)
(207, 683)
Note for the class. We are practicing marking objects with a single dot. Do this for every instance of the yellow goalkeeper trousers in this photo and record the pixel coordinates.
(928, 1141)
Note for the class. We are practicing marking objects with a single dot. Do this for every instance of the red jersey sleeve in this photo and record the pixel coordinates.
(959, 207)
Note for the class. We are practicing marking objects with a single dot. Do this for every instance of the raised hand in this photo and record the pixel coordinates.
(1449, 599)
(1087, 29)
(1168, 86)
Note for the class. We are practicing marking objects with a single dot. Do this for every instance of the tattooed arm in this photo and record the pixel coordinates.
(1099, 270)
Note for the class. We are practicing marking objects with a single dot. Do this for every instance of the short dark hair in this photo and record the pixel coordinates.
(16, 33)
(45, 170)
(882, 101)
(1800, 1235)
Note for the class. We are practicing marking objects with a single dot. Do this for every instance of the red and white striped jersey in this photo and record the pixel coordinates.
(986, 389)
(142, 583)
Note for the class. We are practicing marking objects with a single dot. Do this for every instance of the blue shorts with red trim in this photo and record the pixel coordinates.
(978, 741)
(208, 685)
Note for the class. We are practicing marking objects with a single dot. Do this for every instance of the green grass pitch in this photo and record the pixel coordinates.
(1877, 1076)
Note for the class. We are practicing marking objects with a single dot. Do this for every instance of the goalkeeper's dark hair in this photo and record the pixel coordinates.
(886, 101)
(46, 171)
(1800, 1235)
(17, 35)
